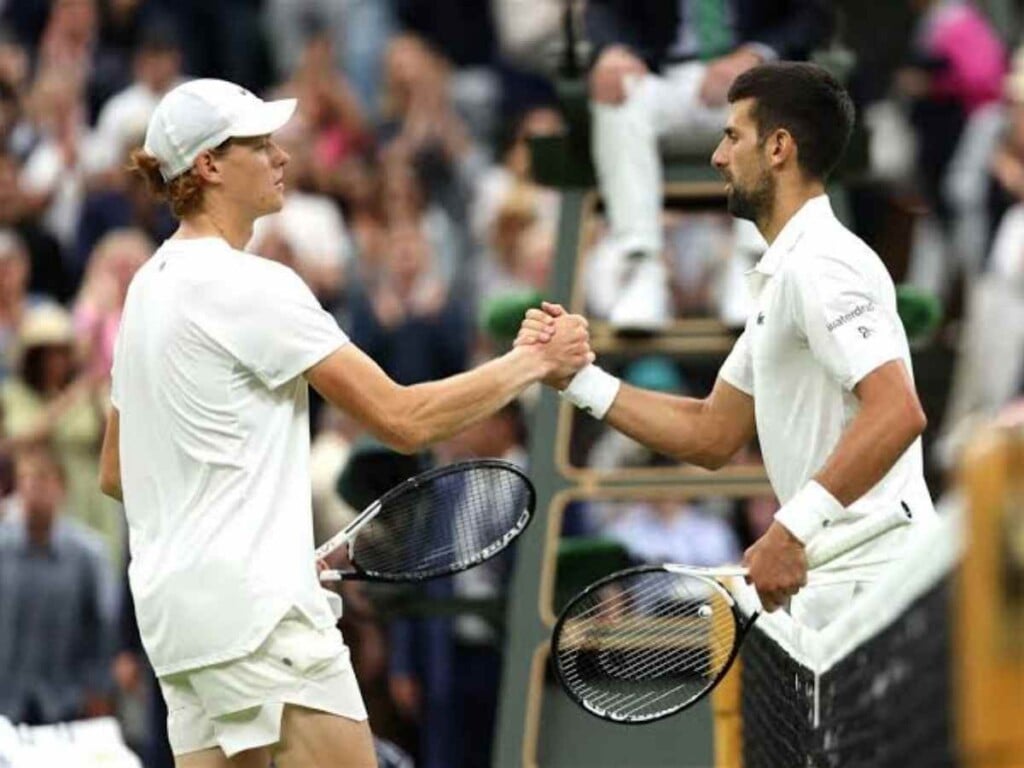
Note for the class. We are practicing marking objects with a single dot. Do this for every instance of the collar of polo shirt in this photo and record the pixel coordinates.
(791, 233)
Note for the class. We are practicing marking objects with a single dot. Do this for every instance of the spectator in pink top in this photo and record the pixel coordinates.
(97, 311)
(957, 66)
(970, 58)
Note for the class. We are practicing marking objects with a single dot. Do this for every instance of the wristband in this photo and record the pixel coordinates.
(810, 511)
(593, 390)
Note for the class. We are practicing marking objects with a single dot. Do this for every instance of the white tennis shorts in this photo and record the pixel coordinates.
(238, 705)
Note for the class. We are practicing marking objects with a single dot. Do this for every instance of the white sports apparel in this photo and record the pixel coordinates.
(238, 705)
(214, 449)
(824, 318)
(202, 114)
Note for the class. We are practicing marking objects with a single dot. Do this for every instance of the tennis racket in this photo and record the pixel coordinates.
(435, 524)
(648, 642)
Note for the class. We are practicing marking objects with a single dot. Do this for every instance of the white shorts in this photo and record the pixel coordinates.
(238, 705)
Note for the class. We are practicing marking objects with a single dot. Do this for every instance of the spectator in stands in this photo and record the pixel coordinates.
(48, 400)
(57, 600)
(100, 301)
(327, 133)
(54, 174)
(331, 120)
(463, 33)
(407, 322)
(46, 273)
(957, 67)
(507, 203)
(122, 120)
(358, 31)
(698, 48)
(409, 199)
(15, 134)
(14, 296)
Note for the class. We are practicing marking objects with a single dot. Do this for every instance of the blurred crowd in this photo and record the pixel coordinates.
(411, 211)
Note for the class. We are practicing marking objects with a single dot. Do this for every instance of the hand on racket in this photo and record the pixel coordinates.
(435, 524)
(776, 565)
(647, 642)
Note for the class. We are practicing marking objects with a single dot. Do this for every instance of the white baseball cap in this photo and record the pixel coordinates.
(202, 114)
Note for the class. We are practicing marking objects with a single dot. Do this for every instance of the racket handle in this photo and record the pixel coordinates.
(330, 575)
(854, 535)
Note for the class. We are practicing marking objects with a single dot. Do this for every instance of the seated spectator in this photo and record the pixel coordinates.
(698, 54)
(47, 400)
(57, 604)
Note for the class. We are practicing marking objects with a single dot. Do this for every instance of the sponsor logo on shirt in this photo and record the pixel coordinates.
(858, 311)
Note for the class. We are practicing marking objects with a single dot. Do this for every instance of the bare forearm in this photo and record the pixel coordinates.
(436, 410)
(867, 450)
(675, 426)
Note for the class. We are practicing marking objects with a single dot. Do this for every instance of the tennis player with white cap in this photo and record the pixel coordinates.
(207, 444)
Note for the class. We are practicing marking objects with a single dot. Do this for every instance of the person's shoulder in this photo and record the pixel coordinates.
(266, 271)
(832, 249)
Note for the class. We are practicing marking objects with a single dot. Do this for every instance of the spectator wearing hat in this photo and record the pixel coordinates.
(47, 401)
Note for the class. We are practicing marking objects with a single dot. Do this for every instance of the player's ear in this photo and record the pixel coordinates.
(207, 167)
(780, 147)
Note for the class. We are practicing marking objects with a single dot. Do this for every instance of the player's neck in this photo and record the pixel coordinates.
(789, 199)
(236, 230)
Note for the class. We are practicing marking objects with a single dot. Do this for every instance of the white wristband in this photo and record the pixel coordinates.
(810, 511)
(592, 390)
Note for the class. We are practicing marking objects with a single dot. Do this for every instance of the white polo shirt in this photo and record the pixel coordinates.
(214, 449)
(824, 317)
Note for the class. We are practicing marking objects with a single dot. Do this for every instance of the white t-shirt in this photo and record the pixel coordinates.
(825, 317)
(214, 449)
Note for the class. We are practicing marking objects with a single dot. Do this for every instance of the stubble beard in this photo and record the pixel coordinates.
(755, 203)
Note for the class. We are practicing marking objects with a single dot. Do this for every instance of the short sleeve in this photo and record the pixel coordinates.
(273, 325)
(849, 326)
(738, 369)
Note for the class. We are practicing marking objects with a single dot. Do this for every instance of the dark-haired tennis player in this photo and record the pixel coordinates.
(822, 370)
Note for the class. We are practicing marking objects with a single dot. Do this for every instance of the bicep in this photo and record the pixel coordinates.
(733, 412)
(349, 379)
(888, 387)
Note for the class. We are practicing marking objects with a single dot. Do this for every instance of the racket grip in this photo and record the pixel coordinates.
(330, 575)
(854, 535)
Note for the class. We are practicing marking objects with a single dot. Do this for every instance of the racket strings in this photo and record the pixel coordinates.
(646, 644)
(445, 523)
